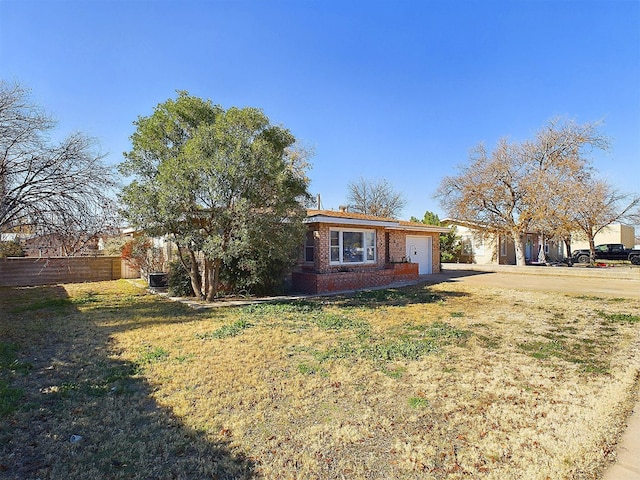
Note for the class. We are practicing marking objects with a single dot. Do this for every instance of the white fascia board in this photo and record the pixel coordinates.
(349, 221)
(432, 229)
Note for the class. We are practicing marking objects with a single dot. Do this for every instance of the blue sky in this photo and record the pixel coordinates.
(400, 90)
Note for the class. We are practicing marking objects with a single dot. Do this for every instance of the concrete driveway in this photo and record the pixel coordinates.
(548, 282)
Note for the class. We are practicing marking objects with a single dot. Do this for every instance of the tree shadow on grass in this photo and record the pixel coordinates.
(397, 297)
(80, 414)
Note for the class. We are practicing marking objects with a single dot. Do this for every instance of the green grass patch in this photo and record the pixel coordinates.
(331, 321)
(10, 398)
(303, 314)
(489, 341)
(85, 299)
(542, 350)
(390, 297)
(311, 369)
(418, 402)
(396, 373)
(56, 304)
(582, 352)
(9, 359)
(619, 317)
(231, 330)
(150, 355)
(419, 341)
(281, 308)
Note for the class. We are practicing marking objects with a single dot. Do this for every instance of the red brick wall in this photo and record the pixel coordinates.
(391, 247)
(435, 259)
(398, 247)
(321, 244)
(309, 282)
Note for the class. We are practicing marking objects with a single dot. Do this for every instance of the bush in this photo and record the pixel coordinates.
(179, 280)
(11, 249)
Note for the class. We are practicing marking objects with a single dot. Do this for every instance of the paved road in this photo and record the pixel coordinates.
(621, 288)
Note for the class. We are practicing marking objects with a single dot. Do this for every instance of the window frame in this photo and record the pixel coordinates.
(310, 246)
(338, 234)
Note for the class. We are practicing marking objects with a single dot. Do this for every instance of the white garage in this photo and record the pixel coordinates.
(419, 251)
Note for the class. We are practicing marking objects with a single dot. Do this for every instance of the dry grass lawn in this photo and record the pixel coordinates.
(104, 380)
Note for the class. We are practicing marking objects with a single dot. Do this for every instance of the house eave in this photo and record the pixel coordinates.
(349, 221)
(420, 228)
(387, 224)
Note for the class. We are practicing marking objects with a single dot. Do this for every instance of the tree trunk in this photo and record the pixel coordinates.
(206, 273)
(214, 276)
(194, 273)
(592, 246)
(567, 245)
(518, 242)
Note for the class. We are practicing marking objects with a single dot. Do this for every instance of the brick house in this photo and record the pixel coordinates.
(349, 251)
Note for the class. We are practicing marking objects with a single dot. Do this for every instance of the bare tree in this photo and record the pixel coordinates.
(45, 187)
(514, 188)
(598, 204)
(375, 197)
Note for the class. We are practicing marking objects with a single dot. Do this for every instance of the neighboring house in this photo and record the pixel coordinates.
(481, 246)
(53, 245)
(614, 233)
(347, 251)
(15, 237)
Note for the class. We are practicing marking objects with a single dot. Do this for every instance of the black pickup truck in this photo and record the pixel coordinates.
(608, 251)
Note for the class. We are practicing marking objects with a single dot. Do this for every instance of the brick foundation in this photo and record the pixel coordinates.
(311, 282)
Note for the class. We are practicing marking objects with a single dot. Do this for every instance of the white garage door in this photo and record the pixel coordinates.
(419, 251)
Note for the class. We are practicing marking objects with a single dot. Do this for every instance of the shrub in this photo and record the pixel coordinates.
(11, 249)
(179, 281)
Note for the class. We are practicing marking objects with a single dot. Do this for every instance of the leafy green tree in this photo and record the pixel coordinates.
(450, 246)
(229, 187)
(429, 218)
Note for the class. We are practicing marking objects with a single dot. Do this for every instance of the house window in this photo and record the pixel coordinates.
(309, 247)
(352, 246)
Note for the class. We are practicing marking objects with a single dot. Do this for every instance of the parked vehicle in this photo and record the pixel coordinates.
(607, 251)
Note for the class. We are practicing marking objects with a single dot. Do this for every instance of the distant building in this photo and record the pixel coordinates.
(614, 233)
(482, 246)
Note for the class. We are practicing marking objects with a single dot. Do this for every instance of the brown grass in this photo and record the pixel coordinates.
(444, 381)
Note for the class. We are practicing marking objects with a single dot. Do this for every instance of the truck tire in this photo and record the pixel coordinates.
(584, 258)
(635, 260)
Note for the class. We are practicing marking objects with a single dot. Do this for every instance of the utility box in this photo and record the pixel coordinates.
(158, 280)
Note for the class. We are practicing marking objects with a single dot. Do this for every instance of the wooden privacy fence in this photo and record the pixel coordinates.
(27, 271)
